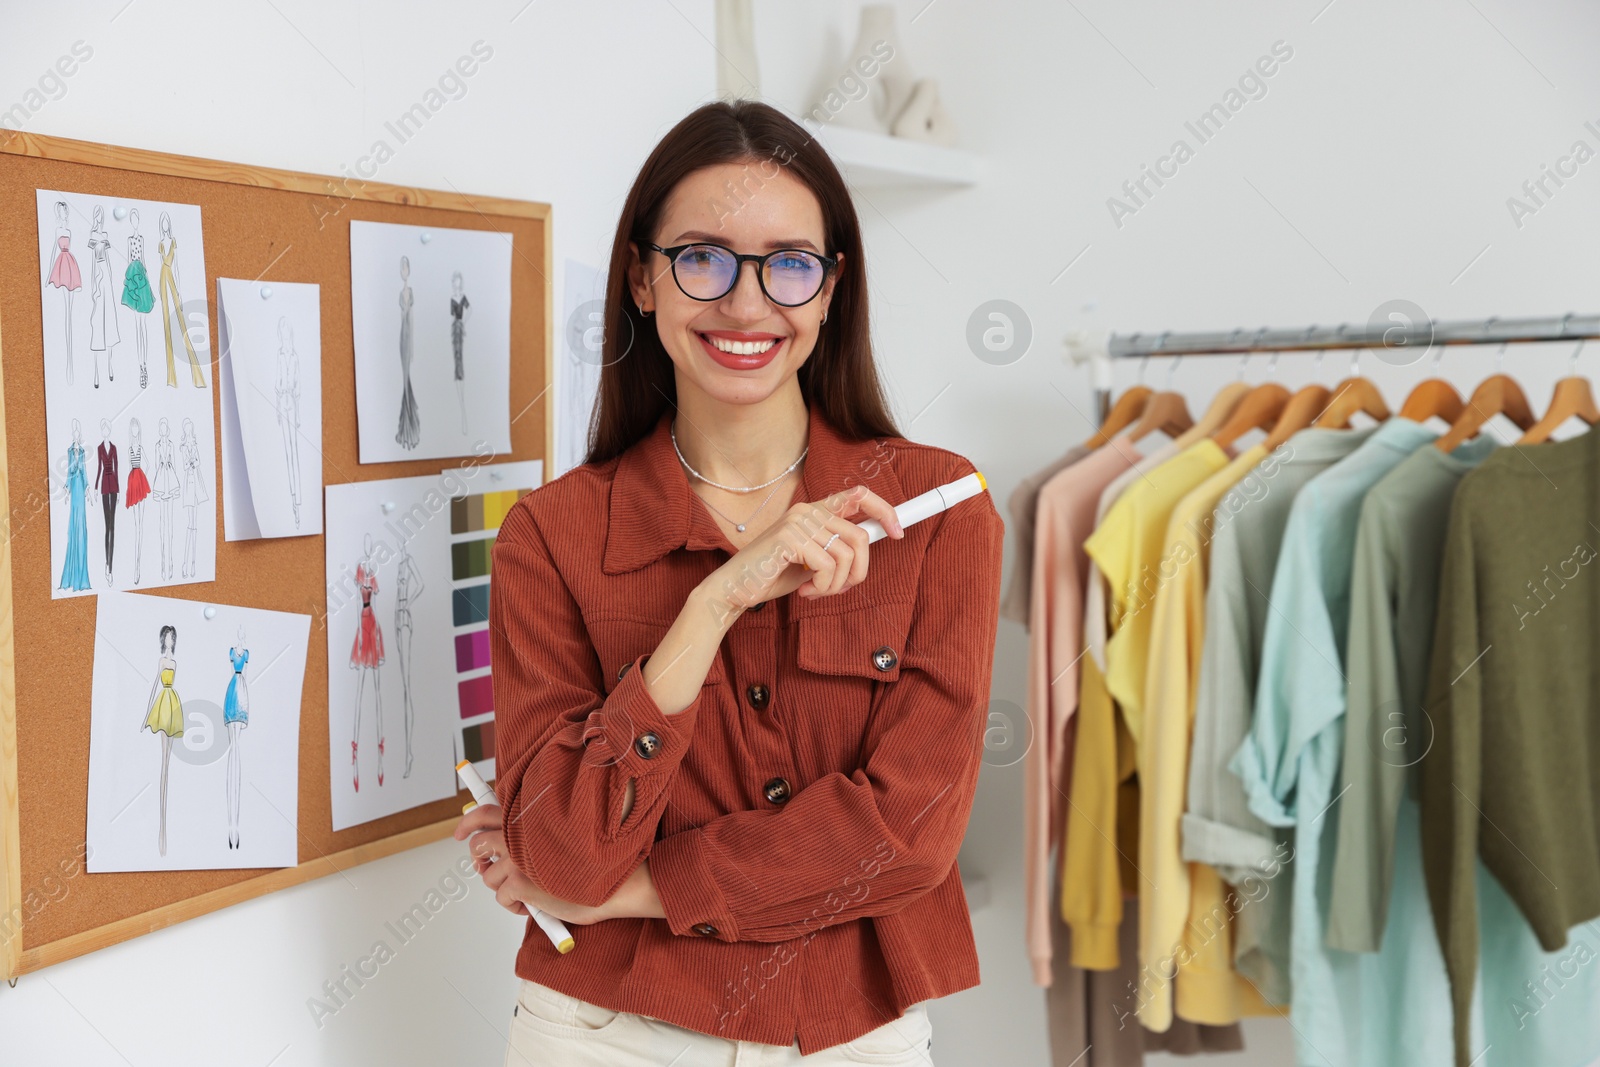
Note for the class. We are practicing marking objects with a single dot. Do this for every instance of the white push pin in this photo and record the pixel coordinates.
(119, 212)
(388, 506)
(210, 612)
(426, 236)
(266, 292)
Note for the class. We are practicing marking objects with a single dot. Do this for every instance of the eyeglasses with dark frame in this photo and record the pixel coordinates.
(714, 275)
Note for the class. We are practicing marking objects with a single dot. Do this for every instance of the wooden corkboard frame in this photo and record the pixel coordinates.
(258, 222)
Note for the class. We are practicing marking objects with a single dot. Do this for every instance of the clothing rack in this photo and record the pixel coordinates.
(1400, 333)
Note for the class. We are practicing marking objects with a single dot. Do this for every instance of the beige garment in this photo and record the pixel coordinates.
(550, 1027)
(1023, 505)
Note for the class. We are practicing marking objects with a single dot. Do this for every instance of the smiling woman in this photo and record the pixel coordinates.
(740, 761)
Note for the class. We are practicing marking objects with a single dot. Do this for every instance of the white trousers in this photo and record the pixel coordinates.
(549, 1027)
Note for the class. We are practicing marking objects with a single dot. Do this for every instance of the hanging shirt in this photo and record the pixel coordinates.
(1514, 697)
(1023, 505)
(1063, 517)
(1218, 828)
(1185, 916)
(1289, 761)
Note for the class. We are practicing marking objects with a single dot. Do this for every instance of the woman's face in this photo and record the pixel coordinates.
(771, 210)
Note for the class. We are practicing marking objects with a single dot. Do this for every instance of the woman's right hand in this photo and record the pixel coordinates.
(815, 549)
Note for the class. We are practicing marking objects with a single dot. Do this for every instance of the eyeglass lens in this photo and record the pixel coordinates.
(707, 272)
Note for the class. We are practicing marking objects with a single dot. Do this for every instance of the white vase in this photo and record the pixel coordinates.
(875, 81)
(924, 117)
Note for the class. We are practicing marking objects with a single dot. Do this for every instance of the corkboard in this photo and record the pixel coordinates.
(258, 223)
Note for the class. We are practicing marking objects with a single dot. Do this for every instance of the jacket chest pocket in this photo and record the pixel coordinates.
(844, 657)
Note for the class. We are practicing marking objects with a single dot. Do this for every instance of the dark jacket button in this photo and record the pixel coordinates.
(884, 659)
(757, 606)
(758, 696)
(777, 790)
(647, 745)
(704, 929)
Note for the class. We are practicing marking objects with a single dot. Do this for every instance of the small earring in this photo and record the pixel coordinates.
(824, 319)
(643, 314)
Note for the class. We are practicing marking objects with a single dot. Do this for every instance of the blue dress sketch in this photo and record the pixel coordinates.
(236, 703)
(75, 570)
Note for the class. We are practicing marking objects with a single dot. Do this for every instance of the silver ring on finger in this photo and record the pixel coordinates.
(829, 541)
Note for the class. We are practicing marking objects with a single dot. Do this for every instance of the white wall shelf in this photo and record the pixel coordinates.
(872, 160)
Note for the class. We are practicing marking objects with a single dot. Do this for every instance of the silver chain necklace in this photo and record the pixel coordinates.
(751, 517)
(673, 430)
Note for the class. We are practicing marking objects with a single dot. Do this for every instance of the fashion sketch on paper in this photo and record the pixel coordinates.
(164, 713)
(236, 716)
(138, 489)
(108, 485)
(172, 304)
(64, 273)
(460, 312)
(194, 493)
(288, 405)
(407, 588)
(410, 431)
(366, 656)
(166, 489)
(75, 568)
(136, 294)
(104, 336)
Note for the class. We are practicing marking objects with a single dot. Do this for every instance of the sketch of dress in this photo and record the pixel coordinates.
(75, 569)
(165, 489)
(407, 588)
(104, 335)
(366, 654)
(236, 704)
(136, 294)
(138, 488)
(64, 274)
(410, 431)
(168, 248)
(194, 494)
(458, 336)
(166, 714)
(288, 405)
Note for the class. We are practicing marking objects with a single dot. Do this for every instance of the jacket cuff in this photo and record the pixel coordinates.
(1234, 852)
(687, 886)
(631, 732)
(1095, 946)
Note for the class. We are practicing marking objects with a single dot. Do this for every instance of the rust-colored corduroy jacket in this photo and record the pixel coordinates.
(802, 816)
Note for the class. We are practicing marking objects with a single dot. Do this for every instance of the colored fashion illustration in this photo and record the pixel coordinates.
(138, 489)
(194, 493)
(460, 312)
(407, 588)
(172, 304)
(164, 713)
(236, 716)
(366, 654)
(288, 405)
(410, 431)
(75, 568)
(104, 336)
(64, 273)
(136, 294)
(165, 490)
(108, 485)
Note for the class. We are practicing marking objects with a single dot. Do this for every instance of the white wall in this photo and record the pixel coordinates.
(1377, 166)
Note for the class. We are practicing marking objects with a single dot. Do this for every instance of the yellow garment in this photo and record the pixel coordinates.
(1127, 546)
(1186, 916)
(1101, 826)
(166, 283)
(166, 714)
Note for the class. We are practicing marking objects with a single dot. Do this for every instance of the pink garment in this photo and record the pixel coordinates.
(64, 273)
(1065, 516)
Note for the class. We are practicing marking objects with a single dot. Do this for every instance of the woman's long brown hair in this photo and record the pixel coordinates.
(636, 378)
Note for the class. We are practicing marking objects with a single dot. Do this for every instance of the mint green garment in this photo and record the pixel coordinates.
(1349, 1010)
(1218, 826)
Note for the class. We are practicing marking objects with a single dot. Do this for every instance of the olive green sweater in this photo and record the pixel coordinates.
(1513, 772)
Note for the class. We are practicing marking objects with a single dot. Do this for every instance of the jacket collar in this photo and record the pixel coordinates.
(654, 511)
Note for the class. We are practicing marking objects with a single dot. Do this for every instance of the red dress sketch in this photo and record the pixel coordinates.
(368, 648)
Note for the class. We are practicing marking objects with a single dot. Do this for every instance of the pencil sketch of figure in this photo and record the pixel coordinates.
(64, 273)
(194, 492)
(410, 431)
(236, 716)
(166, 490)
(366, 654)
(136, 293)
(164, 713)
(168, 248)
(138, 489)
(104, 336)
(288, 405)
(108, 485)
(75, 568)
(407, 588)
(460, 312)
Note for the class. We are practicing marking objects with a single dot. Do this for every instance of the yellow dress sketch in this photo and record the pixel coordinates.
(166, 714)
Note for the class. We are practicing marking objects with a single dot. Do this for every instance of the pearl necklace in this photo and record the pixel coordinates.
(673, 430)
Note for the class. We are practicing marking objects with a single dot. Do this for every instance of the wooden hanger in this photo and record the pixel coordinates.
(1435, 396)
(1222, 405)
(1572, 397)
(1127, 408)
(1498, 395)
(1299, 413)
(1353, 394)
(1260, 409)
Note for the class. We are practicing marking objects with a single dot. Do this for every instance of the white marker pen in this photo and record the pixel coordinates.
(553, 927)
(929, 504)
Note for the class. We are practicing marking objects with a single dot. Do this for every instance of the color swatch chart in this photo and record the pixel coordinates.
(475, 518)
